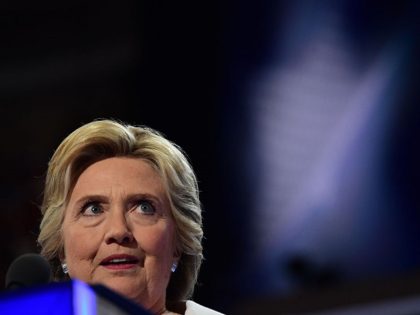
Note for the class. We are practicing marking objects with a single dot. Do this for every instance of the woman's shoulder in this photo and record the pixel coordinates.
(193, 308)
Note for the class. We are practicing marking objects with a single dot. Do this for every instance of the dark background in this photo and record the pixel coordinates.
(183, 68)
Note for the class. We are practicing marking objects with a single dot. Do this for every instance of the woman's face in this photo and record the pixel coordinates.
(118, 230)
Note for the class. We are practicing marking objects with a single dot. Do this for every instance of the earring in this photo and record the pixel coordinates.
(65, 268)
(174, 266)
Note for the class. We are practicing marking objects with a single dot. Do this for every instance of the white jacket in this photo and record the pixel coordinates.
(197, 309)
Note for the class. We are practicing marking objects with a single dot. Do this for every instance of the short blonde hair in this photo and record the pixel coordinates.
(103, 139)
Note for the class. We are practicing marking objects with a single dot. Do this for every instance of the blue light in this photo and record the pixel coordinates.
(50, 299)
(84, 299)
(64, 298)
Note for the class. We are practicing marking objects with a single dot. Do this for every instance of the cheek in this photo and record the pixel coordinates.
(79, 246)
(159, 240)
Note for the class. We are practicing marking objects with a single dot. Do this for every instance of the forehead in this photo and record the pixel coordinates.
(119, 172)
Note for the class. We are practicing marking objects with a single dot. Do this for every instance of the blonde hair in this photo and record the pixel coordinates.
(103, 139)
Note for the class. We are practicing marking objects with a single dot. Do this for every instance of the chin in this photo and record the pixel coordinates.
(130, 288)
(123, 287)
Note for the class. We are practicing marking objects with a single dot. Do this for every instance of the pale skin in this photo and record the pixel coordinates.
(118, 231)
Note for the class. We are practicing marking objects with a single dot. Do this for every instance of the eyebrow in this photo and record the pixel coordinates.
(88, 198)
(130, 198)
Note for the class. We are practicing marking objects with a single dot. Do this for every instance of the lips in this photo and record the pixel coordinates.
(120, 261)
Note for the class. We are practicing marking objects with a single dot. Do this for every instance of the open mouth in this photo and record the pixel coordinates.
(120, 262)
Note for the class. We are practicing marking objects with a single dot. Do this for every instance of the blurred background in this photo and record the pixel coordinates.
(301, 119)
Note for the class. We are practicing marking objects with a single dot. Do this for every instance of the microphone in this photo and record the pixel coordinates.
(28, 270)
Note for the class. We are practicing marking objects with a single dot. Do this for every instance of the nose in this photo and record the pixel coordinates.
(118, 229)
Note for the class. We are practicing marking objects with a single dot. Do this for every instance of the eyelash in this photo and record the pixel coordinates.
(88, 204)
(137, 204)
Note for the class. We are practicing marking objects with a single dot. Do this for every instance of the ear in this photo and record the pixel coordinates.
(61, 255)
(178, 249)
(177, 255)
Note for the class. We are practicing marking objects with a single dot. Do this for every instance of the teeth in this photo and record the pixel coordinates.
(118, 260)
(121, 261)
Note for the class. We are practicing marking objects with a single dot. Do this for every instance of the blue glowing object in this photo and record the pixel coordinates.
(64, 298)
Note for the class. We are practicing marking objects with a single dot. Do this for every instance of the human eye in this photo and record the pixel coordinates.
(91, 208)
(145, 207)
